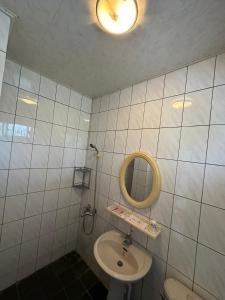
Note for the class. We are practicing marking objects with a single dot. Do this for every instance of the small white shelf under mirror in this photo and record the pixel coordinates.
(144, 224)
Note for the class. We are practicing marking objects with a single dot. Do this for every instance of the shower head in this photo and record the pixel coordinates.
(94, 147)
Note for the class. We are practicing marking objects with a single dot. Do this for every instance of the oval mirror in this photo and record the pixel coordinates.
(140, 180)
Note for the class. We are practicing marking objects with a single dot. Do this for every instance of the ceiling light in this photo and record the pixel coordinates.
(28, 101)
(181, 103)
(117, 16)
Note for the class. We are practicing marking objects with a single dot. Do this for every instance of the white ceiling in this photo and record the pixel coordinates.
(59, 39)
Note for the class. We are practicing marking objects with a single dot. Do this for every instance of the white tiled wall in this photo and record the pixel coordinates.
(40, 143)
(4, 34)
(189, 146)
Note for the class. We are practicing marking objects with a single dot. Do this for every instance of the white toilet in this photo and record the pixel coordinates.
(175, 290)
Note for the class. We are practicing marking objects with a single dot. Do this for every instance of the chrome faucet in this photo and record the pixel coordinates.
(128, 239)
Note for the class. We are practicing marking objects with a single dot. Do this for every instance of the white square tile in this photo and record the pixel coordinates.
(168, 143)
(82, 139)
(182, 254)
(161, 210)
(139, 92)
(4, 31)
(11, 234)
(102, 121)
(73, 118)
(73, 214)
(12, 73)
(84, 121)
(2, 205)
(60, 114)
(175, 83)
(7, 121)
(187, 185)
(172, 116)
(50, 200)
(67, 177)
(203, 293)
(47, 88)
(109, 141)
(210, 275)
(20, 156)
(9, 259)
(107, 163)
(149, 141)
(80, 158)
(17, 182)
(199, 111)
(120, 141)
(86, 104)
(75, 99)
(27, 104)
(218, 105)
(155, 88)
(104, 103)
(55, 157)
(116, 164)
(31, 229)
(133, 141)
(48, 224)
(63, 94)
(104, 184)
(42, 133)
(220, 70)
(168, 174)
(125, 97)
(34, 204)
(186, 217)
(2, 65)
(173, 273)
(23, 130)
(8, 98)
(58, 135)
(39, 156)
(211, 233)
(45, 109)
(112, 119)
(114, 100)
(214, 188)
(71, 137)
(193, 143)
(114, 190)
(216, 145)
(64, 197)
(53, 179)
(3, 182)
(29, 80)
(200, 75)
(94, 122)
(101, 140)
(37, 180)
(159, 246)
(123, 118)
(62, 217)
(14, 208)
(28, 253)
(96, 105)
(136, 116)
(69, 157)
(5, 154)
(152, 114)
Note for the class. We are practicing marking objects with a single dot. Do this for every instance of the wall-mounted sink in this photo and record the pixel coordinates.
(128, 265)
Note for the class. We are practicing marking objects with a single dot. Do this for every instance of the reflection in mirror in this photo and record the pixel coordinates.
(138, 179)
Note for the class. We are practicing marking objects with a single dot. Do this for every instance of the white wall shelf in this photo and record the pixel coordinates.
(146, 225)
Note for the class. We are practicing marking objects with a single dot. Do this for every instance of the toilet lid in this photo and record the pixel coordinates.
(177, 291)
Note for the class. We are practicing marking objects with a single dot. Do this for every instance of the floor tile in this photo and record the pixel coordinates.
(98, 291)
(89, 279)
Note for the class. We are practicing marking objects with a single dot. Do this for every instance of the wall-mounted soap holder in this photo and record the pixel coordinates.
(144, 224)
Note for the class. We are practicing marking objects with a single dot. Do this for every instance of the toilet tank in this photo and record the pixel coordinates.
(175, 290)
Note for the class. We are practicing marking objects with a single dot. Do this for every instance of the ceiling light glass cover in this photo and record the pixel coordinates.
(117, 16)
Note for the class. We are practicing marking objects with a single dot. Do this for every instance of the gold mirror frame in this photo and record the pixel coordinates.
(156, 180)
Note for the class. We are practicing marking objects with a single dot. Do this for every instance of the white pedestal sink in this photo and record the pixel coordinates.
(123, 264)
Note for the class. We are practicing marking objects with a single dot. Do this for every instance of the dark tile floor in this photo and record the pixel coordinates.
(66, 279)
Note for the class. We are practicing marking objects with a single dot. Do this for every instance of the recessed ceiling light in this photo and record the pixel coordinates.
(182, 104)
(117, 16)
(28, 101)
